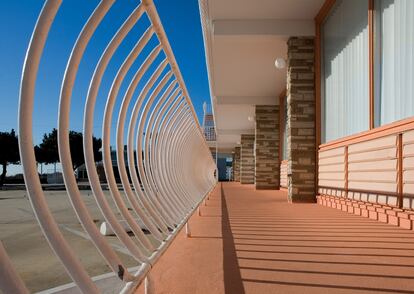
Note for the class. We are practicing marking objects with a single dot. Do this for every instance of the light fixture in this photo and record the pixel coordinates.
(238, 142)
(250, 118)
(280, 63)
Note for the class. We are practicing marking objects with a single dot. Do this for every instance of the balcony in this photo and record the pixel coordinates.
(297, 177)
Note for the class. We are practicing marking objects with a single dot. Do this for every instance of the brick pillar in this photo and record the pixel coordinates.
(247, 159)
(301, 119)
(267, 173)
(236, 164)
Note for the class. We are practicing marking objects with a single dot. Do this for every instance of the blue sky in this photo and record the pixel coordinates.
(181, 22)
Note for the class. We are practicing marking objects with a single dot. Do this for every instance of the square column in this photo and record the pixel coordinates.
(301, 119)
(247, 159)
(267, 173)
(236, 164)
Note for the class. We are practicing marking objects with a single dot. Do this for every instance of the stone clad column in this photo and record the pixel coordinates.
(267, 172)
(301, 119)
(236, 164)
(247, 159)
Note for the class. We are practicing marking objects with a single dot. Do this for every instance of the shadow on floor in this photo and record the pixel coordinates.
(275, 247)
(232, 277)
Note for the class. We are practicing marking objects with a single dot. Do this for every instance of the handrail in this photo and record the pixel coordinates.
(170, 164)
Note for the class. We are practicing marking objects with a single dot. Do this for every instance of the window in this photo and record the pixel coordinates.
(345, 81)
(394, 56)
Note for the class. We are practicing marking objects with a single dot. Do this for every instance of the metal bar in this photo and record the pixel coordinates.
(27, 157)
(175, 169)
(88, 119)
(63, 142)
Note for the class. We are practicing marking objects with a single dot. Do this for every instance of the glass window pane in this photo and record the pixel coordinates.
(395, 59)
(345, 70)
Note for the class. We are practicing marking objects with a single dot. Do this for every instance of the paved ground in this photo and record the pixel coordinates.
(28, 249)
(248, 241)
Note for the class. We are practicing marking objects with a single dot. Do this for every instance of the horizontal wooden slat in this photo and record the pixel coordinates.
(408, 176)
(373, 186)
(373, 176)
(332, 176)
(332, 168)
(408, 137)
(408, 150)
(389, 153)
(382, 165)
(332, 152)
(332, 160)
(332, 184)
(408, 163)
(376, 144)
(408, 188)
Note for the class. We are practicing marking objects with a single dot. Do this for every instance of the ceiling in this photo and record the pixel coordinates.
(242, 39)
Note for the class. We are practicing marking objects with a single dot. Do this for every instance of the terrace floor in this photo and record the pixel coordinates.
(249, 241)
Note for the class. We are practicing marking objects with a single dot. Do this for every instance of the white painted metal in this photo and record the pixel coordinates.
(63, 141)
(88, 118)
(148, 206)
(10, 281)
(27, 156)
(174, 170)
(134, 202)
(122, 207)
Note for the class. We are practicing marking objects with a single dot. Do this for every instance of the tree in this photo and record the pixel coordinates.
(76, 149)
(9, 152)
(40, 157)
(49, 148)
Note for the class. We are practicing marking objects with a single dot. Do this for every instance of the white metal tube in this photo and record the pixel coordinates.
(157, 152)
(160, 110)
(63, 142)
(130, 150)
(132, 197)
(27, 156)
(88, 119)
(142, 174)
(10, 281)
(149, 135)
(106, 127)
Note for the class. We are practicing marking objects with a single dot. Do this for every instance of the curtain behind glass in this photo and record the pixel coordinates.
(395, 32)
(345, 70)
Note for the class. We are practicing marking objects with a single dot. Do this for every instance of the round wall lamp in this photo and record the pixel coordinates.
(280, 63)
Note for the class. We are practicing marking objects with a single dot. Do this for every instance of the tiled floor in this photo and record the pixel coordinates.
(248, 241)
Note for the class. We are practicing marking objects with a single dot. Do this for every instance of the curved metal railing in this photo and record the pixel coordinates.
(169, 162)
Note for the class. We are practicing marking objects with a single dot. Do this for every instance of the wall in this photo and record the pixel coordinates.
(247, 161)
(301, 120)
(283, 174)
(236, 164)
(267, 147)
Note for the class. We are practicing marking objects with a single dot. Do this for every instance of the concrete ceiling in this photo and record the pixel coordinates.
(242, 40)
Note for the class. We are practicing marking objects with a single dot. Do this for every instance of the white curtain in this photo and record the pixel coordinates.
(396, 35)
(345, 70)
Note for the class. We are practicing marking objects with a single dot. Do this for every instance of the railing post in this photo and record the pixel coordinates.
(400, 170)
(346, 172)
(148, 284)
(187, 229)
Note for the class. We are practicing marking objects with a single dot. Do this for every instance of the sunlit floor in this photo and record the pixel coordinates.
(248, 241)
